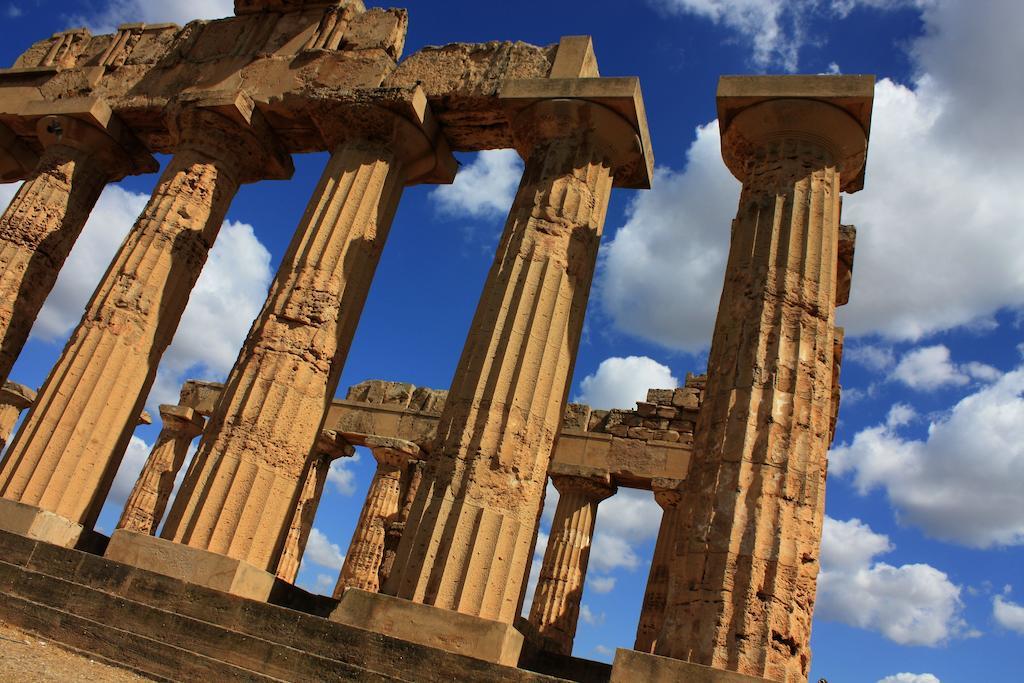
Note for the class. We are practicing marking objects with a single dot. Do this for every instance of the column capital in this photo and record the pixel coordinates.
(16, 395)
(594, 484)
(605, 114)
(391, 453)
(334, 445)
(17, 159)
(184, 422)
(397, 120)
(112, 145)
(227, 127)
(667, 492)
(831, 112)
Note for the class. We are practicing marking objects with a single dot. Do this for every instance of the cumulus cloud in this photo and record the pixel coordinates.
(601, 584)
(134, 458)
(341, 477)
(1008, 614)
(929, 368)
(624, 521)
(933, 250)
(910, 678)
(117, 12)
(483, 189)
(621, 382)
(961, 482)
(914, 604)
(320, 551)
(535, 566)
(588, 617)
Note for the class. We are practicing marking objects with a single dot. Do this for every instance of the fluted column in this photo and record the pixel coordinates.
(64, 458)
(148, 500)
(45, 218)
(411, 478)
(556, 604)
(253, 456)
(14, 398)
(472, 527)
(366, 551)
(652, 615)
(743, 578)
(328, 449)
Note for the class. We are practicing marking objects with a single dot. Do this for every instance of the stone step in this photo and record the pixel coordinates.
(298, 645)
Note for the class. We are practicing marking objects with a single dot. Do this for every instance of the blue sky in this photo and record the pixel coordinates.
(922, 578)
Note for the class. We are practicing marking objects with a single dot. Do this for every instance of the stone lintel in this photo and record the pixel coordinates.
(852, 94)
(491, 641)
(17, 395)
(391, 443)
(334, 445)
(243, 7)
(575, 58)
(621, 95)
(35, 523)
(847, 249)
(631, 666)
(193, 565)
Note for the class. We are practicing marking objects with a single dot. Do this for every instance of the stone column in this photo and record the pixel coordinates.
(252, 459)
(327, 451)
(652, 615)
(16, 158)
(411, 479)
(148, 500)
(743, 578)
(556, 604)
(474, 522)
(366, 551)
(47, 215)
(14, 398)
(64, 458)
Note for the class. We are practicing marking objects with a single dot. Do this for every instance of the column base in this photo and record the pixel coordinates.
(38, 524)
(631, 666)
(462, 634)
(193, 565)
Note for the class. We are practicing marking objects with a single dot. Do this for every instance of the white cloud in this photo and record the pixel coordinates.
(320, 550)
(485, 188)
(624, 521)
(119, 12)
(871, 356)
(914, 604)
(910, 678)
(134, 458)
(13, 11)
(341, 477)
(604, 652)
(621, 382)
(960, 483)
(601, 584)
(933, 251)
(929, 368)
(588, 617)
(776, 29)
(535, 567)
(1008, 614)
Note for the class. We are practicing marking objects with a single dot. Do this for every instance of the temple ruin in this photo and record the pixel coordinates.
(434, 580)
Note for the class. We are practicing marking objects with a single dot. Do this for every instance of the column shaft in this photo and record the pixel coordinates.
(472, 526)
(148, 500)
(556, 604)
(652, 614)
(302, 520)
(366, 551)
(67, 452)
(251, 460)
(744, 576)
(411, 478)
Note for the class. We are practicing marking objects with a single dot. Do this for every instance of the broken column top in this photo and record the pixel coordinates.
(852, 95)
(256, 6)
(17, 395)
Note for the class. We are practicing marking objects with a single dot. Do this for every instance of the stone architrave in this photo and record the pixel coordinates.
(556, 603)
(366, 551)
(328, 449)
(148, 500)
(473, 525)
(59, 462)
(411, 478)
(46, 216)
(743, 579)
(14, 398)
(668, 494)
(253, 455)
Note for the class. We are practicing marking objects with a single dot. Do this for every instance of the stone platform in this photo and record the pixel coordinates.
(633, 667)
(168, 629)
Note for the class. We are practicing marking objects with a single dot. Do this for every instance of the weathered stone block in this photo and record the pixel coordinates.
(382, 29)
(660, 396)
(41, 525)
(631, 667)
